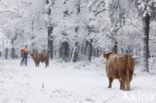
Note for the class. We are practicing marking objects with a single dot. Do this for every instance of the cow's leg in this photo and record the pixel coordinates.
(37, 63)
(127, 85)
(110, 82)
(47, 63)
(122, 78)
(128, 82)
(122, 84)
(130, 78)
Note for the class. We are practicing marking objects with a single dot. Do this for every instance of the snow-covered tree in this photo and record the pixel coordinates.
(77, 30)
(145, 7)
(4, 41)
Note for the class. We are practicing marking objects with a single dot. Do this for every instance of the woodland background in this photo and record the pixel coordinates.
(79, 30)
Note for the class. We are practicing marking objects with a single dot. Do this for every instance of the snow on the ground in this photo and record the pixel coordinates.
(69, 83)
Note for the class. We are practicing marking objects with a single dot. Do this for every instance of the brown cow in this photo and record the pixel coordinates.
(40, 57)
(120, 66)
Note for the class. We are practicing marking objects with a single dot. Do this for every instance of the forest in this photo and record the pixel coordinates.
(79, 30)
(82, 43)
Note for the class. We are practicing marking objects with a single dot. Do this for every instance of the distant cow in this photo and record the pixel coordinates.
(40, 57)
(120, 66)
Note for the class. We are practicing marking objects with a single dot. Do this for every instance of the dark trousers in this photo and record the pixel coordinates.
(24, 60)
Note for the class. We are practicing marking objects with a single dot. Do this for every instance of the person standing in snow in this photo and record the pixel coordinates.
(24, 54)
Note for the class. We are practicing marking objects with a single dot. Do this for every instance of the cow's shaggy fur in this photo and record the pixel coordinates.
(120, 66)
(40, 57)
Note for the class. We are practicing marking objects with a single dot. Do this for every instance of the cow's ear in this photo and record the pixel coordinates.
(106, 55)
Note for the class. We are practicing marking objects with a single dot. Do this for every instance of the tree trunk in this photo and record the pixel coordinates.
(75, 53)
(115, 48)
(89, 49)
(114, 39)
(6, 53)
(145, 55)
(50, 41)
(64, 51)
(50, 30)
(0, 53)
(12, 53)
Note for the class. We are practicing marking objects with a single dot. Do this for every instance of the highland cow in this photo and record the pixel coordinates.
(40, 57)
(119, 66)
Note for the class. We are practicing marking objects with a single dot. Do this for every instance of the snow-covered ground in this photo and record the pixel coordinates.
(69, 83)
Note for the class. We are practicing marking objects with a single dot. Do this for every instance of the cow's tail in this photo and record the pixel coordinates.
(128, 66)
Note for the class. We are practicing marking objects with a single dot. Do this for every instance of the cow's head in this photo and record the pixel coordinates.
(108, 54)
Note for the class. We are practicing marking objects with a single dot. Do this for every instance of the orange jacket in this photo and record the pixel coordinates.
(25, 50)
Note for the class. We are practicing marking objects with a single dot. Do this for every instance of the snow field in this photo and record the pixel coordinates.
(69, 83)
